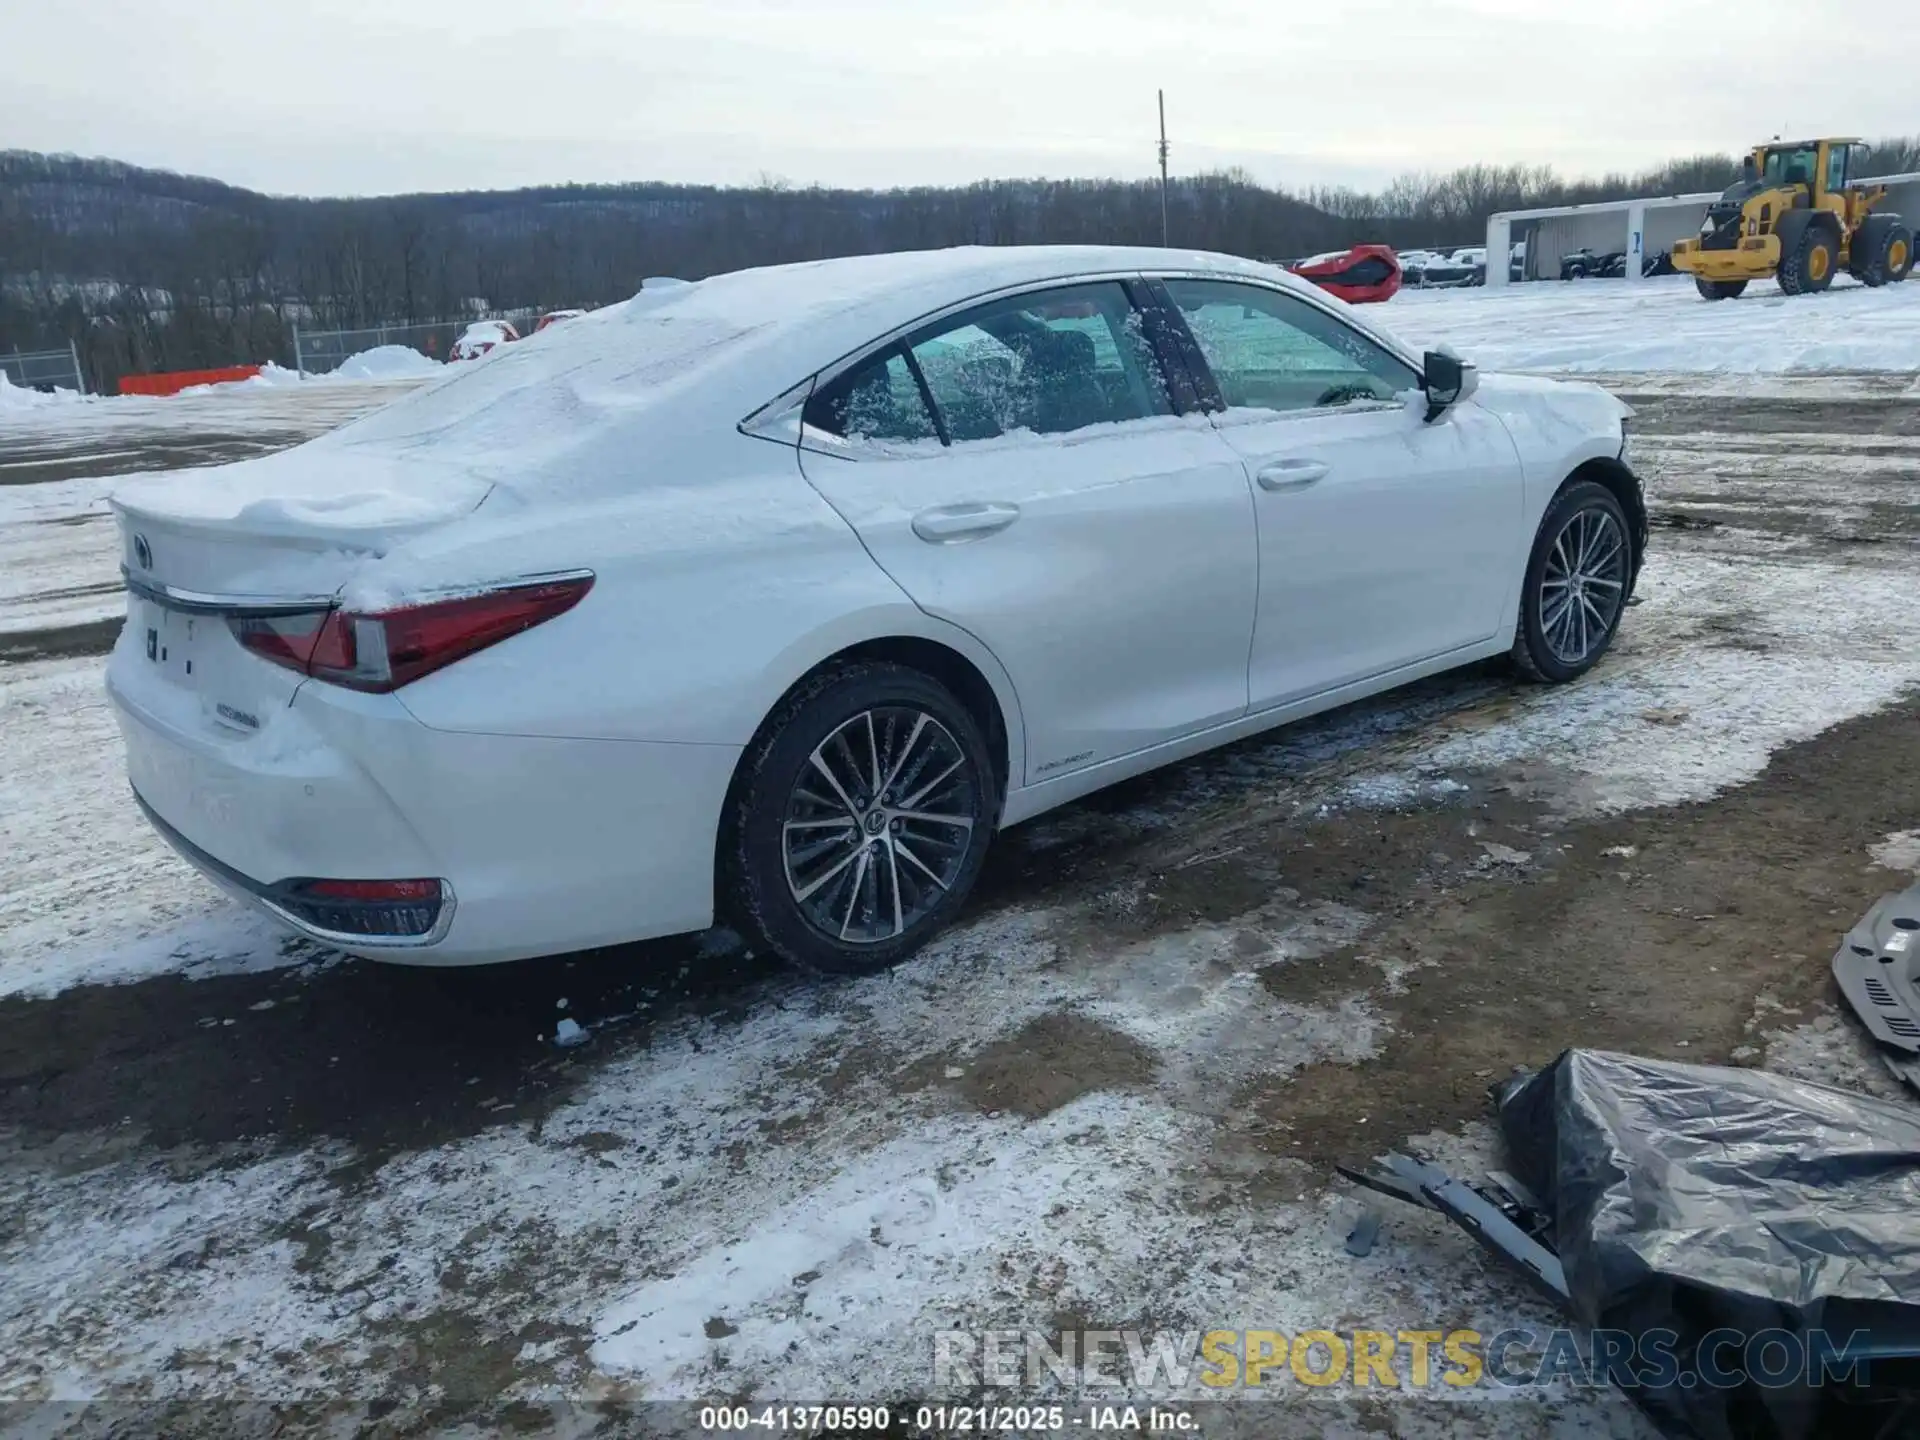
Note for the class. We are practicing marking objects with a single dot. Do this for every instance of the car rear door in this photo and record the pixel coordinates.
(1385, 541)
(1019, 470)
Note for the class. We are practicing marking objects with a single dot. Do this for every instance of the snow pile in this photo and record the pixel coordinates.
(274, 376)
(270, 377)
(388, 362)
(1615, 326)
(383, 362)
(19, 398)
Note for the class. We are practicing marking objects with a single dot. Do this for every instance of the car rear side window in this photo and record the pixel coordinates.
(1048, 363)
(878, 399)
(1272, 351)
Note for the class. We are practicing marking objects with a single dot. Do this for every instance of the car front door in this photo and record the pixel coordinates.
(1385, 541)
(1018, 470)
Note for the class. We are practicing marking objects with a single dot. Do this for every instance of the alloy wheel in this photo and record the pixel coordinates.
(878, 824)
(1583, 585)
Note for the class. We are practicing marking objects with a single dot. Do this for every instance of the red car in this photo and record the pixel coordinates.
(1360, 276)
(554, 317)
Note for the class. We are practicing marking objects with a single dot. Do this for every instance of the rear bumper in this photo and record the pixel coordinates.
(549, 845)
(271, 898)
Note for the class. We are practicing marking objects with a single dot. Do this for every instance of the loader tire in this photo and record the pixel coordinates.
(1808, 253)
(1883, 251)
(1718, 289)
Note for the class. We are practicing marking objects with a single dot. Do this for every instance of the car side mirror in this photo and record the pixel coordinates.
(1449, 380)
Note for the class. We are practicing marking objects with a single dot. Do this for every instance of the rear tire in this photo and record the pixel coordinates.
(1808, 254)
(826, 868)
(1882, 251)
(1719, 289)
(1575, 588)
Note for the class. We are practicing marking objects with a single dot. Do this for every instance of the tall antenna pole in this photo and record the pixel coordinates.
(1163, 167)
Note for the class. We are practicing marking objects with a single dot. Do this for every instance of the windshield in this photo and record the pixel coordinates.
(1792, 167)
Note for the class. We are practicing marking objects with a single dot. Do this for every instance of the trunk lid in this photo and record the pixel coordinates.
(265, 541)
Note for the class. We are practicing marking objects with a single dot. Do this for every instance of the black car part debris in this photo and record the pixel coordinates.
(1693, 1203)
(1878, 967)
(1509, 1224)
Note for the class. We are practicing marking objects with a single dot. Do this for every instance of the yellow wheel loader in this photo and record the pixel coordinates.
(1794, 216)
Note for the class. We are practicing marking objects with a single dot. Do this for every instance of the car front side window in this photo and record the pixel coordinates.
(1273, 351)
(1046, 363)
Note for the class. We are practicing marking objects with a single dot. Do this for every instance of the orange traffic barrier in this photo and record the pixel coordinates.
(172, 382)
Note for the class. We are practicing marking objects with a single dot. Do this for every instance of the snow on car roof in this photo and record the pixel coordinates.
(609, 399)
(708, 353)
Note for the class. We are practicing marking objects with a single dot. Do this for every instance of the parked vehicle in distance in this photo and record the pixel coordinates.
(1586, 262)
(480, 337)
(554, 317)
(1611, 264)
(1359, 275)
(771, 597)
(1440, 270)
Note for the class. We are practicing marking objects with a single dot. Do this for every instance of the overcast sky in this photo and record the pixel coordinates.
(360, 97)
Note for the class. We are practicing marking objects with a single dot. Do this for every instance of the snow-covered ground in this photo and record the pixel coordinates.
(1611, 326)
(770, 1199)
(820, 1135)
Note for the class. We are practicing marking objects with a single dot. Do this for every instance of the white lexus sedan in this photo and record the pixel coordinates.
(767, 599)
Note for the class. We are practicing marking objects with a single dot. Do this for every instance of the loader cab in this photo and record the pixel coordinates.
(1822, 166)
(1782, 165)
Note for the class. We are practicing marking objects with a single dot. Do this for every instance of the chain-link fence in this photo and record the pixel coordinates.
(317, 352)
(44, 369)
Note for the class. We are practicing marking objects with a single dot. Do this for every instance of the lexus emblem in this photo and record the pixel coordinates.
(143, 552)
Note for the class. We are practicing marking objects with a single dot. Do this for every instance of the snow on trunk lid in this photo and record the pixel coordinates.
(292, 525)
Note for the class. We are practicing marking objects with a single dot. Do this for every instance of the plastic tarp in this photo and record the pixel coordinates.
(1691, 1199)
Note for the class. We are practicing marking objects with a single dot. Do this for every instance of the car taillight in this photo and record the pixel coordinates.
(382, 650)
(395, 909)
(372, 890)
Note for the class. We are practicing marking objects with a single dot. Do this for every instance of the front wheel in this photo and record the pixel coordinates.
(1575, 588)
(1719, 289)
(1807, 260)
(860, 819)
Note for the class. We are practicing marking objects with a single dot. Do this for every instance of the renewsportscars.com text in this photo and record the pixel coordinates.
(1222, 1360)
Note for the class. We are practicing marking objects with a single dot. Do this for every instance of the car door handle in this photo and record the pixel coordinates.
(1290, 474)
(948, 524)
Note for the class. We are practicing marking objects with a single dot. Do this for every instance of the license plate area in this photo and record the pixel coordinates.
(193, 654)
(176, 643)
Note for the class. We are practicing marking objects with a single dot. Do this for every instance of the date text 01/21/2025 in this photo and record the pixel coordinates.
(944, 1419)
